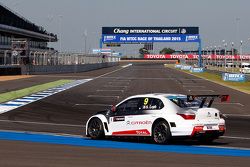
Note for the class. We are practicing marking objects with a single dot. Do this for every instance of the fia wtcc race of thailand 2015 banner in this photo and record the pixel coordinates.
(149, 34)
(191, 56)
(234, 77)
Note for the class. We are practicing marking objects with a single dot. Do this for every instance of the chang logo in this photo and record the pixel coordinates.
(119, 31)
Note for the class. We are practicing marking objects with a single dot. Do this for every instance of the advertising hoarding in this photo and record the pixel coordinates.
(197, 70)
(149, 34)
(150, 30)
(234, 77)
(193, 56)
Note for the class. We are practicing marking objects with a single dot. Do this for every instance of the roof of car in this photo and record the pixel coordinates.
(160, 95)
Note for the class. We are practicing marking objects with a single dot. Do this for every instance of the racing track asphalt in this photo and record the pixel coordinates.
(68, 111)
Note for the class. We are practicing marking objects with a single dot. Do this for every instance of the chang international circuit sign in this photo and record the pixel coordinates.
(149, 34)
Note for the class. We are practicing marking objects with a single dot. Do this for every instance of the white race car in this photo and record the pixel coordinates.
(162, 117)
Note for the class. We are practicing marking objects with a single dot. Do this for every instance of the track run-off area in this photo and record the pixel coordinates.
(51, 130)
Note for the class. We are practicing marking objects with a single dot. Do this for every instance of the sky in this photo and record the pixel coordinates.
(217, 19)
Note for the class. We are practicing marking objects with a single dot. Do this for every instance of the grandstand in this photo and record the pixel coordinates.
(22, 40)
(24, 50)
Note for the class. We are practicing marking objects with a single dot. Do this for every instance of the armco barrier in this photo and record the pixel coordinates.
(197, 70)
(48, 69)
(234, 77)
(10, 70)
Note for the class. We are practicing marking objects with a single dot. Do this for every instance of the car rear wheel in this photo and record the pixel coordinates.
(161, 133)
(95, 129)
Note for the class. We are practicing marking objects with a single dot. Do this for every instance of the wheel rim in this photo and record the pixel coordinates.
(160, 133)
(94, 128)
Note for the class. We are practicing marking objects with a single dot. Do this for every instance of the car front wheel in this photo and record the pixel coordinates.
(161, 133)
(95, 129)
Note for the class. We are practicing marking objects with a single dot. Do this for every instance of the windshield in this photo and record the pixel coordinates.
(184, 103)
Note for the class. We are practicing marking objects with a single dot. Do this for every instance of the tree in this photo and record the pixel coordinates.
(167, 51)
(143, 51)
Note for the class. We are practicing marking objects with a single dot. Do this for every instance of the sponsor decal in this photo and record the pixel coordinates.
(192, 38)
(197, 70)
(186, 67)
(139, 122)
(183, 31)
(178, 66)
(118, 119)
(140, 132)
(109, 38)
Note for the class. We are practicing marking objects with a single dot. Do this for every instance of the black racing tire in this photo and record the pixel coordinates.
(95, 129)
(161, 133)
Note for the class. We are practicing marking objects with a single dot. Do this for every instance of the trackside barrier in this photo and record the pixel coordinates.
(197, 70)
(234, 77)
(178, 66)
(184, 67)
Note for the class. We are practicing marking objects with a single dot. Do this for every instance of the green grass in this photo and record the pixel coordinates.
(241, 86)
(27, 91)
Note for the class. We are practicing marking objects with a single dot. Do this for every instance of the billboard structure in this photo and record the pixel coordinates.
(144, 35)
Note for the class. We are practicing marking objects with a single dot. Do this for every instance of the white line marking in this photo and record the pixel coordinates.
(80, 136)
(4, 108)
(112, 86)
(104, 96)
(122, 80)
(41, 123)
(119, 83)
(52, 91)
(110, 90)
(189, 79)
(109, 73)
(127, 65)
(187, 84)
(237, 115)
(217, 83)
(234, 137)
(239, 148)
(131, 78)
(230, 104)
(103, 105)
(190, 86)
(200, 90)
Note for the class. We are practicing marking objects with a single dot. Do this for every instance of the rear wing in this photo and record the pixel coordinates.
(210, 98)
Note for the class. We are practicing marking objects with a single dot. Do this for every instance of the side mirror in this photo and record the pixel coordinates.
(113, 108)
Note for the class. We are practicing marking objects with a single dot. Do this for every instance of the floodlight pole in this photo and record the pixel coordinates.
(100, 43)
(200, 56)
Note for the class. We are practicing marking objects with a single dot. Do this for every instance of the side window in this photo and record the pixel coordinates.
(150, 104)
(129, 107)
